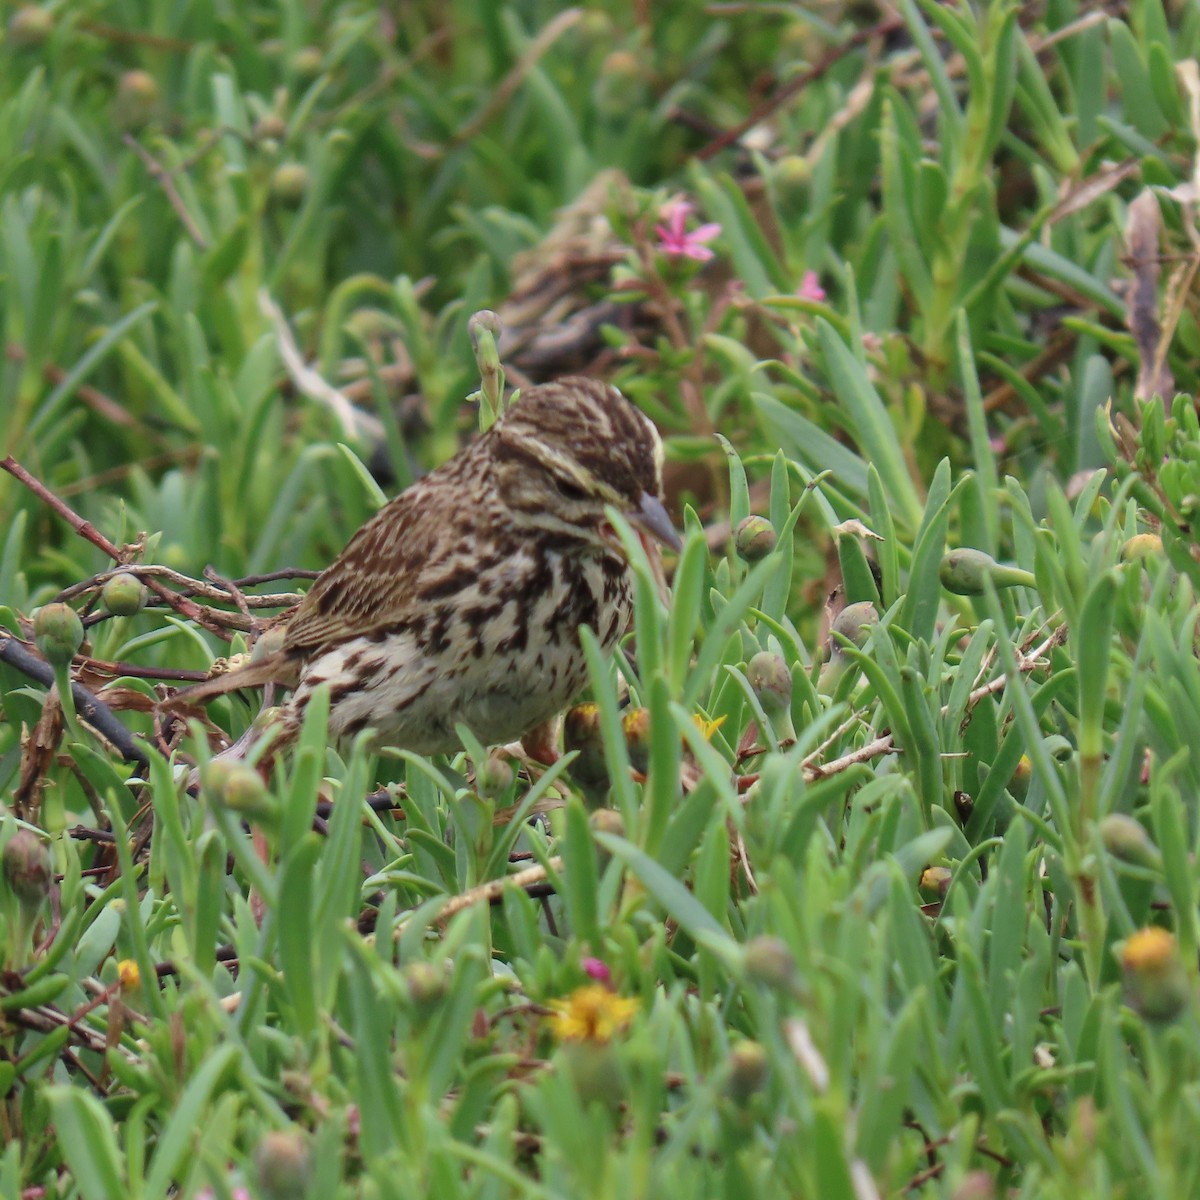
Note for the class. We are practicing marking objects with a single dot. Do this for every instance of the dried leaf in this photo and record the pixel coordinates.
(1141, 305)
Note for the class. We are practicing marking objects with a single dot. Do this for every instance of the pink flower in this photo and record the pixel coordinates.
(675, 240)
(810, 288)
(597, 970)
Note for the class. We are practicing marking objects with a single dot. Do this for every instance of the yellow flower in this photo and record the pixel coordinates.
(128, 975)
(707, 727)
(591, 1014)
(1156, 982)
(1151, 950)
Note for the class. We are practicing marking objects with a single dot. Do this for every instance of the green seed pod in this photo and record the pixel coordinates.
(748, 1067)
(792, 173)
(27, 868)
(1126, 839)
(963, 572)
(283, 1162)
(58, 632)
(270, 127)
(29, 26)
(124, 595)
(855, 622)
(137, 100)
(494, 776)
(289, 184)
(1156, 982)
(635, 725)
(426, 984)
(772, 682)
(769, 961)
(306, 63)
(243, 791)
(754, 538)
(607, 820)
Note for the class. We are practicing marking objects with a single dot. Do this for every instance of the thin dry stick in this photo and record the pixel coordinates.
(86, 530)
(92, 709)
(499, 99)
(493, 889)
(885, 744)
(794, 87)
(354, 422)
(162, 177)
(207, 590)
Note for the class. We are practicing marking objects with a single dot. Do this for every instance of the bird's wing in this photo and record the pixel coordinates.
(377, 582)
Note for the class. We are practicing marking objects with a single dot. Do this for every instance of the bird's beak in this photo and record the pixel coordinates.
(652, 518)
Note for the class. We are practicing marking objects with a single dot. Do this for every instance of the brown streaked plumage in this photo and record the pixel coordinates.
(461, 600)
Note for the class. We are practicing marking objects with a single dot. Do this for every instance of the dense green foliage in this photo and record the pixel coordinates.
(913, 910)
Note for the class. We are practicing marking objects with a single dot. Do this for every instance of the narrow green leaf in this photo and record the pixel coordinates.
(88, 1142)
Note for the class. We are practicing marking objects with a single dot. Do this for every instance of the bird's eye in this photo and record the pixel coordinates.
(570, 490)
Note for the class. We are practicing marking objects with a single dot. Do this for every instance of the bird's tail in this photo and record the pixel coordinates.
(271, 669)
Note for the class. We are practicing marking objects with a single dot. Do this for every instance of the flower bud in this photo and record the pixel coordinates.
(582, 732)
(635, 725)
(607, 820)
(621, 82)
(284, 1164)
(1022, 777)
(482, 326)
(597, 969)
(306, 63)
(792, 173)
(241, 789)
(771, 680)
(495, 776)
(1142, 546)
(935, 882)
(855, 622)
(748, 1068)
(769, 961)
(58, 632)
(426, 984)
(27, 868)
(244, 788)
(136, 101)
(124, 595)
(29, 26)
(963, 572)
(754, 538)
(1156, 982)
(1126, 839)
(289, 184)
(270, 127)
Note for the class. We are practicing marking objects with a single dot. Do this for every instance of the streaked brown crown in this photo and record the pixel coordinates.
(586, 429)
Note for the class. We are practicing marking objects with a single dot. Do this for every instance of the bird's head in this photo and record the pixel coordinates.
(568, 449)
